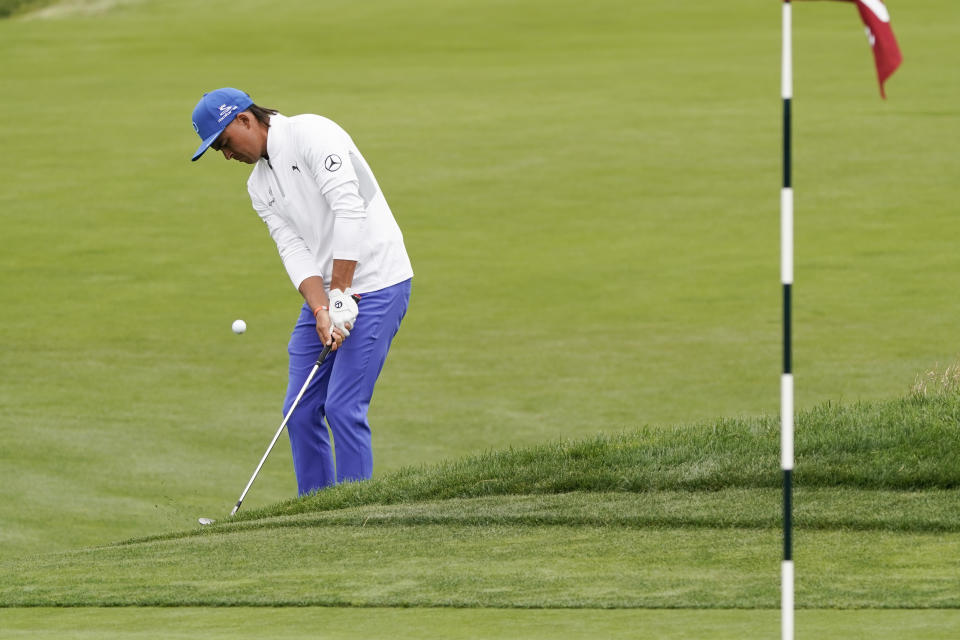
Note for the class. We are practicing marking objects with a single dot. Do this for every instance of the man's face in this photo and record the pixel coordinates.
(241, 140)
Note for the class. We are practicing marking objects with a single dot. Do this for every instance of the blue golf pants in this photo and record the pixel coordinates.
(340, 392)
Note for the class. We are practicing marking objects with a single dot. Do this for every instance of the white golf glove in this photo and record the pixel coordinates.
(343, 311)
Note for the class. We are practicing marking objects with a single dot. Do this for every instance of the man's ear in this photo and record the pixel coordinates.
(245, 119)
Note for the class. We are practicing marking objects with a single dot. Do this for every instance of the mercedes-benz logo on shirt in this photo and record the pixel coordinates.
(332, 163)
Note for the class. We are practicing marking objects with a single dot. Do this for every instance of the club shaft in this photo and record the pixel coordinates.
(276, 436)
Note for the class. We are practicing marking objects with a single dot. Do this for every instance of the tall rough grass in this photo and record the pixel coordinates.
(937, 381)
(910, 443)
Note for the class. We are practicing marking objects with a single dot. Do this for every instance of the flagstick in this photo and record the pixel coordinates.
(786, 381)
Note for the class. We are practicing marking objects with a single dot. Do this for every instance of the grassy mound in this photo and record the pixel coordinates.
(910, 443)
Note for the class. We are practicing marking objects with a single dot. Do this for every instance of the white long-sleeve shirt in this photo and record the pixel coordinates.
(321, 202)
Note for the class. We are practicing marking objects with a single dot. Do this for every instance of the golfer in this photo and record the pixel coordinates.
(337, 237)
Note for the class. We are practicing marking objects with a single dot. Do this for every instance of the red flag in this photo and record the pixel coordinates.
(886, 53)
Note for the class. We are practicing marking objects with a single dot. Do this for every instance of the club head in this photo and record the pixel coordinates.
(206, 521)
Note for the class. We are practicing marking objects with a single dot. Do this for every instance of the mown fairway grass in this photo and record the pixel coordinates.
(528, 553)
(588, 192)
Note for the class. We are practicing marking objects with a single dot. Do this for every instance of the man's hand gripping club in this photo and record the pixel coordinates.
(334, 323)
(336, 314)
(343, 311)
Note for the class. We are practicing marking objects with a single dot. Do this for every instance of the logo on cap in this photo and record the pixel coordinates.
(196, 128)
(225, 112)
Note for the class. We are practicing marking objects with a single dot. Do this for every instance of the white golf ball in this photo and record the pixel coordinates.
(239, 326)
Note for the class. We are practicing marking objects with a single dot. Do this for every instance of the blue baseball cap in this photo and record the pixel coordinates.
(214, 112)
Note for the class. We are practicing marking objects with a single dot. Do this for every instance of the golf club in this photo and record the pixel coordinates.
(323, 356)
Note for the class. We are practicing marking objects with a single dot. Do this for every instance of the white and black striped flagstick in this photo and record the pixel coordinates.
(786, 381)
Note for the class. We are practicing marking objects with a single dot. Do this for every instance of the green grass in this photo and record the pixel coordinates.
(499, 566)
(13, 7)
(589, 195)
(535, 155)
(466, 624)
(649, 519)
(834, 508)
(905, 444)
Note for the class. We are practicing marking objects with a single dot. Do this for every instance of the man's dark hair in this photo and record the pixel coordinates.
(261, 114)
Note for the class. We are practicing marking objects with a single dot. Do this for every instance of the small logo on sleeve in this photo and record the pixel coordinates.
(332, 163)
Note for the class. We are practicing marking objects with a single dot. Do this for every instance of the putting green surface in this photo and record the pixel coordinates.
(466, 624)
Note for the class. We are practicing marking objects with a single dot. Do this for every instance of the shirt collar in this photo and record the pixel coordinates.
(276, 135)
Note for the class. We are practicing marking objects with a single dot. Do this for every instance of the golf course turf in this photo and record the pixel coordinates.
(575, 434)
